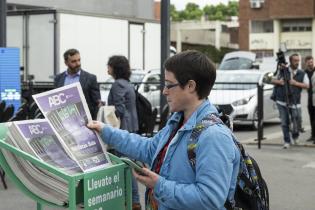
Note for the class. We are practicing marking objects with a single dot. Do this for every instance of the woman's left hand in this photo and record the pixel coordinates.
(147, 177)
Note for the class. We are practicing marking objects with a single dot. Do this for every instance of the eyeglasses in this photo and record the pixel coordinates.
(169, 86)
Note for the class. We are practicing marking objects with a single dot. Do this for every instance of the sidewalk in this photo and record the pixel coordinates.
(277, 139)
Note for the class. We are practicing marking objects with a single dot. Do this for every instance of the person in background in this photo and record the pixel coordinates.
(309, 70)
(294, 66)
(122, 95)
(88, 81)
(172, 183)
(297, 81)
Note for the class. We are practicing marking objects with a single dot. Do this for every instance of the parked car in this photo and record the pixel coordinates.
(147, 82)
(235, 93)
(238, 60)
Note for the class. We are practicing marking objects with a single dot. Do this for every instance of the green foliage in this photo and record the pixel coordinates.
(174, 14)
(193, 12)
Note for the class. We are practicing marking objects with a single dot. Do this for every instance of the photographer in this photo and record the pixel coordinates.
(289, 82)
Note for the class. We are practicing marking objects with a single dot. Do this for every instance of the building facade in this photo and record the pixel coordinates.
(216, 33)
(266, 25)
(122, 8)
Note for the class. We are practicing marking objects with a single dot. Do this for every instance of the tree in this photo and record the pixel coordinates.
(221, 11)
(193, 12)
(173, 13)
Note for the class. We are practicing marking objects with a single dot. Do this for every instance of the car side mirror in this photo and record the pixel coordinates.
(153, 88)
(255, 66)
(268, 78)
(146, 88)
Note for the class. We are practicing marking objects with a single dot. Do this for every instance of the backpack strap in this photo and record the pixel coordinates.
(207, 121)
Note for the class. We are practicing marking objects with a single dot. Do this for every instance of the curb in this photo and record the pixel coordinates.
(278, 144)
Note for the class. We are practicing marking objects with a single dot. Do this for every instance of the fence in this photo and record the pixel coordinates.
(243, 101)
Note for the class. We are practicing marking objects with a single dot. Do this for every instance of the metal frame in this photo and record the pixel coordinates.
(75, 192)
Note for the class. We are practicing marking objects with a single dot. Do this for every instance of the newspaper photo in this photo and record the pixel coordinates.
(67, 112)
(44, 143)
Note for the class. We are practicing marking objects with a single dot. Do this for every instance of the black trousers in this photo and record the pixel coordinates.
(311, 112)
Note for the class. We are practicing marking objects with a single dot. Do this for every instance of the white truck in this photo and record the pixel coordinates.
(44, 35)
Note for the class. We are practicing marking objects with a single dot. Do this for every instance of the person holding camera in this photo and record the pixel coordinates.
(289, 82)
(309, 70)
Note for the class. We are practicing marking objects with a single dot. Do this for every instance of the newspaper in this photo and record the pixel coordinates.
(42, 142)
(41, 182)
(67, 112)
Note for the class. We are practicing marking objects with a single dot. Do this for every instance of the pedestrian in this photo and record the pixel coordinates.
(122, 95)
(289, 83)
(171, 181)
(88, 81)
(309, 70)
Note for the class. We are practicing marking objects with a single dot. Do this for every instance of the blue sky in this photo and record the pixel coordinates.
(180, 4)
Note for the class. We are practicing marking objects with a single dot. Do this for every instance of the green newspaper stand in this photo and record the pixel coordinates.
(104, 189)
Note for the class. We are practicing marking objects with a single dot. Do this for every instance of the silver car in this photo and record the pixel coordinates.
(235, 92)
(148, 83)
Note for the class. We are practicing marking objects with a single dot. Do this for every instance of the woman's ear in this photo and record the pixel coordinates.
(192, 85)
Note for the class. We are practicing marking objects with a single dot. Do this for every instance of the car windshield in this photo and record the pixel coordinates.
(236, 81)
(136, 77)
(236, 63)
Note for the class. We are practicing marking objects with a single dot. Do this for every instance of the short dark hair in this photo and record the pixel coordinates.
(70, 52)
(293, 55)
(120, 66)
(307, 58)
(193, 65)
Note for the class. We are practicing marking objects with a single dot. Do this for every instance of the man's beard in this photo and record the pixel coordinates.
(74, 70)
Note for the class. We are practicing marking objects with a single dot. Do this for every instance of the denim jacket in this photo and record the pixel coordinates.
(179, 186)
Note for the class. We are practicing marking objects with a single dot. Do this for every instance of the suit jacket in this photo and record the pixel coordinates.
(122, 95)
(90, 89)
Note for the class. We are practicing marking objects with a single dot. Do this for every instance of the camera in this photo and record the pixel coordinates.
(281, 57)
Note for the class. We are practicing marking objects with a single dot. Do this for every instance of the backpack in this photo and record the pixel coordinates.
(144, 112)
(251, 189)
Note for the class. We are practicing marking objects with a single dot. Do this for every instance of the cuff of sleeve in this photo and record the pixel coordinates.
(106, 132)
(162, 190)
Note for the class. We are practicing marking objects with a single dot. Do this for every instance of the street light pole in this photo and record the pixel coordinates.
(3, 25)
(165, 43)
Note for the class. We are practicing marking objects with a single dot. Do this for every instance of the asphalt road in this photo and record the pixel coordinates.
(289, 175)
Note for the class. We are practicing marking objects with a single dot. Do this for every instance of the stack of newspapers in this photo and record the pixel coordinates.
(61, 140)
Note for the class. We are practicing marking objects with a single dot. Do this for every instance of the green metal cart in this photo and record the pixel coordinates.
(104, 189)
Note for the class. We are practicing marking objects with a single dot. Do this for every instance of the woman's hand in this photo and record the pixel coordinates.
(147, 177)
(95, 125)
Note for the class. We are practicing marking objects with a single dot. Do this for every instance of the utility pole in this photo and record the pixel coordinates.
(3, 23)
(165, 44)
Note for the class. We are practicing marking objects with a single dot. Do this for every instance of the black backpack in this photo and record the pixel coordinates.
(144, 112)
(251, 189)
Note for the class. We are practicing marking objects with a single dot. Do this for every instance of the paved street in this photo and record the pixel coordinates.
(289, 175)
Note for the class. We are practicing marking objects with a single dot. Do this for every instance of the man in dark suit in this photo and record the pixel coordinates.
(88, 81)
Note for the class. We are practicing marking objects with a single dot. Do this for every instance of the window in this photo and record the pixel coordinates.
(262, 26)
(297, 25)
